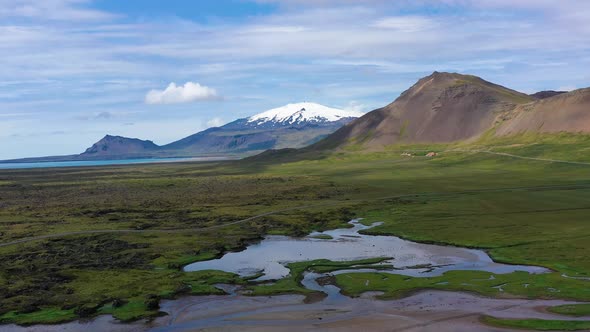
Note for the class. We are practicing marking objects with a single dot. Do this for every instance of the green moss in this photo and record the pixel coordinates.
(43, 316)
(517, 226)
(521, 211)
(291, 284)
(133, 310)
(325, 266)
(577, 310)
(322, 237)
(537, 324)
(520, 284)
(183, 260)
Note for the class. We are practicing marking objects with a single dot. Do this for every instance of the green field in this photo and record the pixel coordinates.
(158, 218)
(537, 324)
(577, 310)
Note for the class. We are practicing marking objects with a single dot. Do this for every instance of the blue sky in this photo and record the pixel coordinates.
(75, 70)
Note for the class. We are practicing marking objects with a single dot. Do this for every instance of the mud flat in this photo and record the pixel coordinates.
(101, 323)
(424, 311)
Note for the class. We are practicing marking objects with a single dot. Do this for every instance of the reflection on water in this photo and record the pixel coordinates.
(414, 259)
(82, 163)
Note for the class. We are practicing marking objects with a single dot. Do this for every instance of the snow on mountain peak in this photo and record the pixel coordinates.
(302, 112)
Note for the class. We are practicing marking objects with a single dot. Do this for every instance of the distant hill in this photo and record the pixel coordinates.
(439, 108)
(546, 94)
(567, 112)
(119, 146)
(291, 126)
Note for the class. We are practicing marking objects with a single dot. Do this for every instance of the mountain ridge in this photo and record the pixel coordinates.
(299, 113)
(564, 112)
(439, 108)
(119, 145)
(449, 107)
(291, 126)
(546, 94)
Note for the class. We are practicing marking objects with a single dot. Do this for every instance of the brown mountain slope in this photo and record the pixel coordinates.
(442, 107)
(564, 112)
(546, 94)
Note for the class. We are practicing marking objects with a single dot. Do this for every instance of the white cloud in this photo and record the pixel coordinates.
(405, 23)
(215, 122)
(332, 50)
(273, 29)
(63, 10)
(355, 106)
(187, 93)
(566, 88)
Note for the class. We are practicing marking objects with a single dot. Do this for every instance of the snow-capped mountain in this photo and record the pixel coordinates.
(291, 126)
(300, 114)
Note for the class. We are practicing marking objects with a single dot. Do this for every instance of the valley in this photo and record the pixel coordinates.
(294, 165)
(128, 241)
(291, 126)
(183, 213)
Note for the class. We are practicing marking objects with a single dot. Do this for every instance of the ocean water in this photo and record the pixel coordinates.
(52, 164)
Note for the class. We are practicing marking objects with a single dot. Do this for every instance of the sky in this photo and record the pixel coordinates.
(72, 71)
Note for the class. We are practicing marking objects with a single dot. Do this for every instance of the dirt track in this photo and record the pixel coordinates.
(522, 157)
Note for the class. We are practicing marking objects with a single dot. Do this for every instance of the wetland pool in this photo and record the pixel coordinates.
(429, 310)
(407, 258)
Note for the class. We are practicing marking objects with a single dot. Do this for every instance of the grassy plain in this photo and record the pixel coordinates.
(577, 310)
(522, 211)
(537, 324)
(292, 283)
(521, 284)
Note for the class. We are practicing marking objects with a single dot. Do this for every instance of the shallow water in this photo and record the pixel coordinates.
(437, 311)
(53, 164)
(271, 255)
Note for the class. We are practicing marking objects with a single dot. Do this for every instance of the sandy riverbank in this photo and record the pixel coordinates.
(437, 311)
